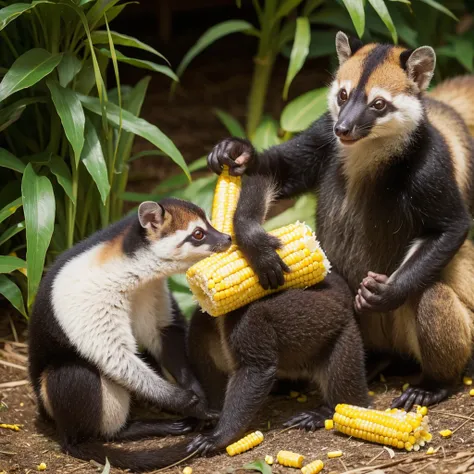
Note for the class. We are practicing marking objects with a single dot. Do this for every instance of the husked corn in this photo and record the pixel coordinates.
(224, 281)
(313, 467)
(446, 433)
(244, 444)
(422, 410)
(394, 427)
(269, 460)
(290, 459)
(430, 450)
(471, 392)
(10, 427)
(329, 424)
(334, 454)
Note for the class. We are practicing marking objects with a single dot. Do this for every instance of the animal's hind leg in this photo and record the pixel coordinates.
(443, 330)
(342, 379)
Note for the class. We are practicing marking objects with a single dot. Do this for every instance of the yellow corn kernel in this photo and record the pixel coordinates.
(391, 427)
(289, 459)
(467, 381)
(430, 450)
(334, 454)
(313, 467)
(244, 444)
(188, 470)
(224, 281)
(446, 433)
(329, 424)
(41, 467)
(302, 398)
(294, 394)
(269, 459)
(371, 393)
(405, 386)
(471, 392)
(422, 410)
(10, 427)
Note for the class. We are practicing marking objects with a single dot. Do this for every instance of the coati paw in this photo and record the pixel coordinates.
(419, 396)
(203, 444)
(180, 427)
(236, 153)
(310, 420)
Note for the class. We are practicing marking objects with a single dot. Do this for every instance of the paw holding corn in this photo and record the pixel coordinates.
(224, 281)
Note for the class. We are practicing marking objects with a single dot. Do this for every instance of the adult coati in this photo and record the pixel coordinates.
(393, 169)
(95, 306)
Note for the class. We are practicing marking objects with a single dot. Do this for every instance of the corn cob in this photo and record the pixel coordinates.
(392, 428)
(313, 467)
(289, 459)
(334, 454)
(244, 444)
(225, 201)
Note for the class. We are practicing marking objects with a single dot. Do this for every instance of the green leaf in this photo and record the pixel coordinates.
(286, 8)
(210, 36)
(260, 466)
(85, 80)
(13, 11)
(98, 10)
(266, 134)
(357, 13)
(464, 51)
(300, 113)
(112, 13)
(39, 208)
(7, 160)
(441, 8)
(69, 108)
(106, 467)
(139, 127)
(230, 123)
(68, 68)
(10, 209)
(100, 37)
(303, 211)
(182, 294)
(298, 53)
(382, 11)
(12, 112)
(13, 230)
(12, 293)
(63, 174)
(141, 63)
(94, 161)
(27, 70)
(322, 44)
(9, 264)
(311, 5)
(142, 154)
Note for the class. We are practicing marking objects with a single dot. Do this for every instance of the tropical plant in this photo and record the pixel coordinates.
(67, 139)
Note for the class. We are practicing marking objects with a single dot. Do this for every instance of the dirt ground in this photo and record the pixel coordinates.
(22, 451)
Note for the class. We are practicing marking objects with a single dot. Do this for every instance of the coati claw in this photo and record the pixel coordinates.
(203, 444)
(419, 396)
(310, 420)
(236, 153)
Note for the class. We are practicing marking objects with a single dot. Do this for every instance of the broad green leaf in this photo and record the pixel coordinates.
(12, 112)
(230, 123)
(441, 8)
(138, 126)
(12, 293)
(68, 68)
(382, 10)
(298, 53)
(151, 66)
(7, 160)
(63, 174)
(98, 10)
(311, 5)
(94, 161)
(259, 465)
(9, 263)
(13, 11)
(210, 36)
(100, 37)
(106, 467)
(464, 51)
(85, 80)
(357, 13)
(286, 7)
(142, 154)
(304, 210)
(13, 230)
(300, 113)
(10, 209)
(27, 70)
(322, 44)
(337, 17)
(266, 134)
(69, 108)
(39, 207)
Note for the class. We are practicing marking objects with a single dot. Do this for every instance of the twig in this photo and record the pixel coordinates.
(13, 328)
(424, 467)
(454, 415)
(176, 463)
(381, 466)
(462, 424)
(343, 465)
(8, 453)
(17, 383)
(14, 343)
(283, 431)
(13, 355)
(376, 457)
(12, 365)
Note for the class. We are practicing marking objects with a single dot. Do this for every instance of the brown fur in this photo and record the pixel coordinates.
(44, 393)
(111, 250)
(352, 70)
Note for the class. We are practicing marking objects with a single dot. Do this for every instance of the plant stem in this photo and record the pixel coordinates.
(71, 208)
(10, 44)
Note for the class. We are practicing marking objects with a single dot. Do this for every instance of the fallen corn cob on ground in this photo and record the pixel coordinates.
(394, 428)
(244, 444)
(224, 281)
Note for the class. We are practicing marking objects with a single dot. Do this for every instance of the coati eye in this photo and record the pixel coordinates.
(342, 95)
(198, 234)
(379, 104)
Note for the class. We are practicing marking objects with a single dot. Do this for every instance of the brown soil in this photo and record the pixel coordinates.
(22, 451)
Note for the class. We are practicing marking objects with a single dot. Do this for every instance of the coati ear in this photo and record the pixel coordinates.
(419, 65)
(151, 214)
(346, 47)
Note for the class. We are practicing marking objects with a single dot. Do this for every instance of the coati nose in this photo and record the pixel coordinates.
(342, 130)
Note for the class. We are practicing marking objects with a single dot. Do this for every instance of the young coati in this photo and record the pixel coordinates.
(393, 170)
(100, 301)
